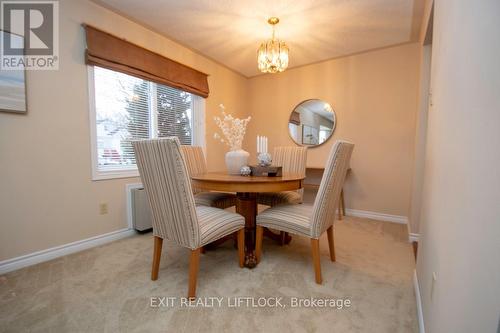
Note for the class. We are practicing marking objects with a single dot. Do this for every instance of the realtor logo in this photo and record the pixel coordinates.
(30, 35)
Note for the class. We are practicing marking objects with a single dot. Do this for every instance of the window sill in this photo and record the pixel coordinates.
(115, 174)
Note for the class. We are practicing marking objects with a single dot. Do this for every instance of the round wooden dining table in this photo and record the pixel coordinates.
(247, 188)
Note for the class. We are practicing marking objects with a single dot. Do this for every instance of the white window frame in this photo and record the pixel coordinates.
(198, 123)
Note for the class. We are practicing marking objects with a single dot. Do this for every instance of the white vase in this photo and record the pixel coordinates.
(235, 159)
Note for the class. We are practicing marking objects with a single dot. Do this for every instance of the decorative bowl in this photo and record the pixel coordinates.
(245, 170)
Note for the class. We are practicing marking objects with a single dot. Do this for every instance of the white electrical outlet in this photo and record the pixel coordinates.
(433, 283)
(103, 208)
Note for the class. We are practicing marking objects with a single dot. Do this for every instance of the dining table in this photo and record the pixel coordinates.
(247, 189)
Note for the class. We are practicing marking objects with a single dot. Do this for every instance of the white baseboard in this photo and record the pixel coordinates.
(62, 250)
(413, 237)
(377, 216)
(420, 315)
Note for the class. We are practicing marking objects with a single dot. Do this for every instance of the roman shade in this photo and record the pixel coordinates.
(108, 51)
(294, 118)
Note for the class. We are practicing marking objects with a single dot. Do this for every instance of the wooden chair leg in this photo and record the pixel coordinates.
(235, 240)
(316, 260)
(194, 263)
(339, 209)
(258, 243)
(282, 235)
(331, 243)
(342, 202)
(158, 242)
(241, 247)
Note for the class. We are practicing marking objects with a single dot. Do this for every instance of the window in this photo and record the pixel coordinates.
(126, 108)
(324, 133)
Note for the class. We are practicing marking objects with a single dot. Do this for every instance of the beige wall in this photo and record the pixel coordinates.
(375, 97)
(420, 138)
(460, 230)
(425, 38)
(47, 197)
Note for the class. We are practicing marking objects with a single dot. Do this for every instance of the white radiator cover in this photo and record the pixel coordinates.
(141, 212)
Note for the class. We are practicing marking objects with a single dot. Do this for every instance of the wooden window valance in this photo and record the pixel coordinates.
(108, 51)
(295, 118)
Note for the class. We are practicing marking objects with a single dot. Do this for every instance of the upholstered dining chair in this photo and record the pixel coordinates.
(196, 164)
(312, 220)
(293, 160)
(176, 217)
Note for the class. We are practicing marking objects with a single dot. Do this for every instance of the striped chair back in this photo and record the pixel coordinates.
(195, 161)
(292, 159)
(165, 178)
(327, 199)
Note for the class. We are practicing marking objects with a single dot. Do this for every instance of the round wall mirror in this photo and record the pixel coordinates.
(312, 123)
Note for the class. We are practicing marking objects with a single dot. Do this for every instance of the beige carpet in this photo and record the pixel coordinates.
(107, 289)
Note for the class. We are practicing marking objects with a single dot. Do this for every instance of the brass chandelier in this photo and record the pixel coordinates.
(272, 56)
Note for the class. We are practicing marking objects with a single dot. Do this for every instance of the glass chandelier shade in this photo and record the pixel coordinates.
(272, 56)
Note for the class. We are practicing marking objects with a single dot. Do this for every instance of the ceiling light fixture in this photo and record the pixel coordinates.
(272, 56)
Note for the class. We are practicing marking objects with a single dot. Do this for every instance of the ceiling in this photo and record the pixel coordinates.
(230, 31)
(317, 106)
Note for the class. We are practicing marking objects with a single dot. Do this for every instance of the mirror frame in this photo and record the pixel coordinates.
(319, 144)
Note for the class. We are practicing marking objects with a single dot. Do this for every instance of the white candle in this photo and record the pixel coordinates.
(257, 144)
(265, 144)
